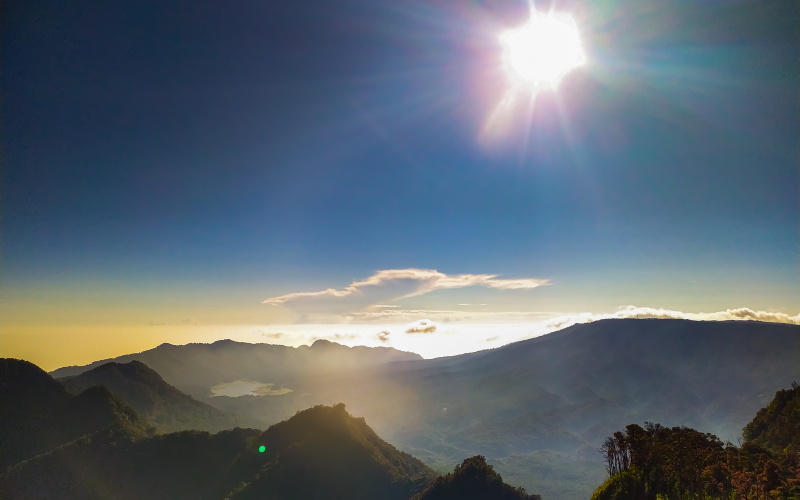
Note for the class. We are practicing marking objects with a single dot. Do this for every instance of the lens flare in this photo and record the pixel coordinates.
(539, 53)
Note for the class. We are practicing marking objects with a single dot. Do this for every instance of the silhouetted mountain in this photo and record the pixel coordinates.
(319, 453)
(156, 401)
(324, 452)
(37, 414)
(474, 479)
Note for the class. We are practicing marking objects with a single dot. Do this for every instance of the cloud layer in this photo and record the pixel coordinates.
(740, 314)
(388, 285)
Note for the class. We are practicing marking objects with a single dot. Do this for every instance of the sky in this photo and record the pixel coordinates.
(178, 172)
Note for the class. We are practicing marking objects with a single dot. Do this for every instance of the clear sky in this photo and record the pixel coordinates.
(175, 163)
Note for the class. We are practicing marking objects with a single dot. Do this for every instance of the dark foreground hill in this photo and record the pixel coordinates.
(320, 453)
(38, 414)
(473, 479)
(161, 404)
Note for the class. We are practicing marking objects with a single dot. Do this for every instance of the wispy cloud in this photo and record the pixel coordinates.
(388, 285)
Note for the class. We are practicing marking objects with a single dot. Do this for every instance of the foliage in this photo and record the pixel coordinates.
(474, 479)
(682, 463)
(777, 426)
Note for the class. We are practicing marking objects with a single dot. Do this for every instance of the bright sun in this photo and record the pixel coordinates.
(539, 53)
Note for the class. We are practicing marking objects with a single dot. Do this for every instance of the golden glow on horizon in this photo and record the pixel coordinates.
(539, 53)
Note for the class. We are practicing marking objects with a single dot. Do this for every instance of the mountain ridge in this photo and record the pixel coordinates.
(159, 403)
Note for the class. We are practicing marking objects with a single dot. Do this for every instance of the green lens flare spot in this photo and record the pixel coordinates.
(262, 448)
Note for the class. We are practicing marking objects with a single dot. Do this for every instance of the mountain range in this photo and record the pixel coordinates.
(536, 409)
(94, 446)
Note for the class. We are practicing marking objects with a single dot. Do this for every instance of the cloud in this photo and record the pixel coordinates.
(422, 326)
(389, 285)
(384, 336)
(740, 314)
(276, 335)
(345, 336)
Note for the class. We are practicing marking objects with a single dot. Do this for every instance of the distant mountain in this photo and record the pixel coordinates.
(474, 479)
(320, 453)
(37, 414)
(195, 368)
(159, 403)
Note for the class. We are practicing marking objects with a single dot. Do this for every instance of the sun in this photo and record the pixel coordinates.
(539, 53)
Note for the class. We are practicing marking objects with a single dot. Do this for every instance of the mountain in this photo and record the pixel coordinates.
(38, 414)
(161, 404)
(474, 479)
(195, 368)
(322, 452)
(536, 409)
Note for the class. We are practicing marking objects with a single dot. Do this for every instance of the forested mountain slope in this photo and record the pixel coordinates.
(159, 403)
(38, 414)
(322, 452)
(651, 462)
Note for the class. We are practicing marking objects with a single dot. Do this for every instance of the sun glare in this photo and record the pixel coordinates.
(539, 53)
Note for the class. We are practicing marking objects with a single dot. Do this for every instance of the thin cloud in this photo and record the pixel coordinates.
(384, 336)
(393, 284)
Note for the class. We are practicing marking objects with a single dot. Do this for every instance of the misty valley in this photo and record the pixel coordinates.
(614, 409)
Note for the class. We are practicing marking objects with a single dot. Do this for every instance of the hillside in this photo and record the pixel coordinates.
(777, 426)
(322, 452)
(159, 403)
(473, 479)
(38, 414)
(679, 462)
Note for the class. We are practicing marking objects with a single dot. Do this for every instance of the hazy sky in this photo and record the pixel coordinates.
(168, 162)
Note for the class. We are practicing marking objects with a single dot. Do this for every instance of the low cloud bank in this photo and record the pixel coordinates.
(740, 314)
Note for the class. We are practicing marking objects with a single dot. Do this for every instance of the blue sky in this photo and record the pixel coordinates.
(164, 161)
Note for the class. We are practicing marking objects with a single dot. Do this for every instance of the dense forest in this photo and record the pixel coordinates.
(473, 479)
(655, 462)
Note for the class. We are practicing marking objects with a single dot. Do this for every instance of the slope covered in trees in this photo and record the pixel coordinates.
(38, 414)
(322, 452)
(473, 479)
(682, 463)
(777, 426)
(161, 404)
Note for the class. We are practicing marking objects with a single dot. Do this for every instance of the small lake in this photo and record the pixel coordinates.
(245, 388)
